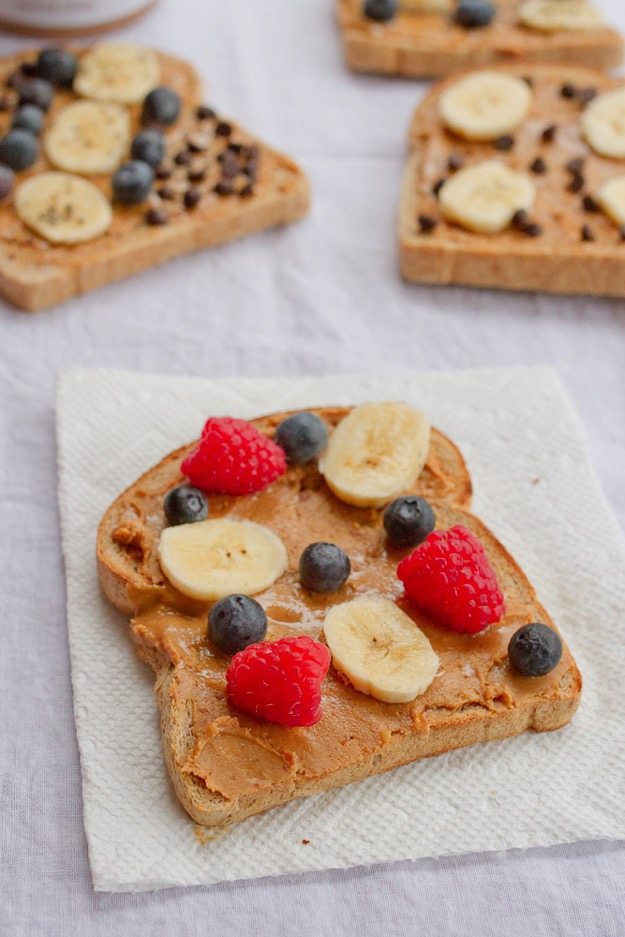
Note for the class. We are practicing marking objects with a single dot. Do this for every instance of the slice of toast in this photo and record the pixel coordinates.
(561, 259)
(35, 274)
(226, 766)
(422, 45)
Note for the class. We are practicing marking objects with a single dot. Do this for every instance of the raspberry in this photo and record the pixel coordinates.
(233, 457)
(450, 577)
(280, 681)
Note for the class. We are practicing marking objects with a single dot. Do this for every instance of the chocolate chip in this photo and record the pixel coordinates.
(224, 187)
(223, 129)
(539, 166)
(14, 79)
(576, 184)
(426, 223)
(575, 165)
(549, 133)
(196, 175)
(161, 172)
(183, 158)
(247, 190)
(520, 219)
(28, 69)
(586, 95)
(528, 81)
(156, 216)
(504, 144)
(568, 90)
(589, 204)
(166, 193)
(587, 234)
(436, 188)
(229, 164)
(455, 162)
(251, 152)
(192, 197)
(236, 147)
(532, 230)
(203, 112)
(195, 146)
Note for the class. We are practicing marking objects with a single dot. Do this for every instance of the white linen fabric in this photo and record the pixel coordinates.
(317, 298)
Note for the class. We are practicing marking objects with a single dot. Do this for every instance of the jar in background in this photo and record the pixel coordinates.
(68, 17)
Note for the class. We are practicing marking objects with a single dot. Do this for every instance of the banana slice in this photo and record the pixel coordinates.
(485, 105)
(211, 559)
(484, 197)
(426, 6)
(88, 137)
(62, 208)
(603, 124)
(380, 649)
(611, 197)
(375, 453)
(117, 71)
(553, 15)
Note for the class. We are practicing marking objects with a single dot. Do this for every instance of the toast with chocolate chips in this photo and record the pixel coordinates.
(515, 180)
(229, 759)
(429, 38)
(110, 164)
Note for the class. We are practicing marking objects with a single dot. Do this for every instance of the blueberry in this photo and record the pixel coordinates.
(534, 650)
(28, 117)
(6, 181)
(185, 505)
(380, 10)
(323, 567)
(36, 91)
(148, 145)
(57, 66)
(18, 149)
(236, 622)
(132, 182)
(472, 14)
(408, 521)
(302, 436)
(161, 106)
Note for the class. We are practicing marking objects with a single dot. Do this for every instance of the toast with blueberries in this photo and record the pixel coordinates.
(430, 38)
(319, 606)
(110, 163)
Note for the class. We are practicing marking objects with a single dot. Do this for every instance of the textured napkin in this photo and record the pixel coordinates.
(533, 487)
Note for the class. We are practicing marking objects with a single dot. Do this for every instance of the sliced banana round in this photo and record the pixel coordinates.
(214, 558)
(376, 452)
(603, 124)
(380, 649)
(554, 15)
(89, 137)
(117, 71)
(485, 197)
(485, 105)
(62, 208)
(611, 197)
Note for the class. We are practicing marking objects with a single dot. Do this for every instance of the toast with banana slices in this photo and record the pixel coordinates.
(516, 179)
(110, 164)
(430, 38)
(283, 578)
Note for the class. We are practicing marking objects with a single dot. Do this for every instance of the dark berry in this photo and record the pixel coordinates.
(6, 181)
(161, 106)
(534, 650)
(380, 10)
(185, 505)
(235, 622)
(57, 66)
(36, 91)
(28, 117)
(302, 436)
(132, 182)
(408, 521)
(473, 14)
(18, 149)
(149, 146)
(323, 567)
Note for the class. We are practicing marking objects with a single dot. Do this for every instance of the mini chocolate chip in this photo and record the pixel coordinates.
(251, 152)
(549, 133)
(436, 188)
(251, 169)
(247, 190)
(455, 162)
(156, 216)
(589, 204)
(528, 81)
(196, 175)
(224, 187)
(587, 234)
(229, 164)
(166, 193)
(203, 112)
(532, 229)
(520, 219)
(223, 129)
(195, 146)
(183, 158)
(576, 184)
(568, 90)
(539, 166)
(162, 173)
(192, 197)
(28, 69)
(426, 223)
(575, 165)
(14, 79)
(235, 147)
(504, 144)
(586, 95)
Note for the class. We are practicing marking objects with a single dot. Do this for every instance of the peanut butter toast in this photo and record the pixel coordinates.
(227, 762)
(429, 38)
(110, 163)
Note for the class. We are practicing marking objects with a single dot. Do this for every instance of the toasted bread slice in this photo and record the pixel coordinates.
(226, 766)
(560, 260)
(35, 274)
(422, 45)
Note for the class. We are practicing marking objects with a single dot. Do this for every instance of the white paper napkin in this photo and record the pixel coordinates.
(533, 486)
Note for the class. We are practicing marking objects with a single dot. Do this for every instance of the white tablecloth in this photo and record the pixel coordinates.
(320, 297)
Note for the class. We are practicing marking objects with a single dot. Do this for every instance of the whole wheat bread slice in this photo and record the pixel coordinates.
(226, 766)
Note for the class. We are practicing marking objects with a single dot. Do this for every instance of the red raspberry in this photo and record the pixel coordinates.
(450, 577)
(233, 457)
(280, 681)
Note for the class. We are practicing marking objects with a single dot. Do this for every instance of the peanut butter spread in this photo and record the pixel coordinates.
(234, 754)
